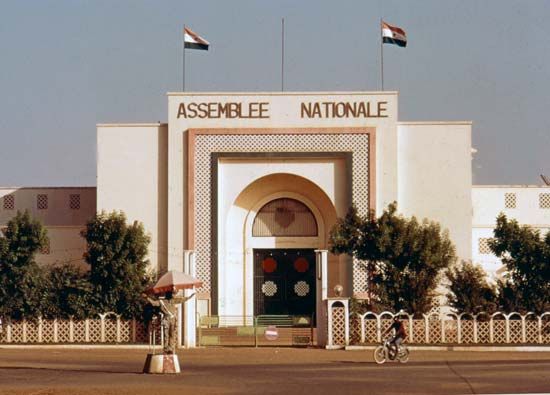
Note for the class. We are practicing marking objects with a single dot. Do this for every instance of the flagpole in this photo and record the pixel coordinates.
(282, 54)
(381, 56)
(183, 83)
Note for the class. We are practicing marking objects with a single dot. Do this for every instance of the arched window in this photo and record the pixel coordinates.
(284, 217)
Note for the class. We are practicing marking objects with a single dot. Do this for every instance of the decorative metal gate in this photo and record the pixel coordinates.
(284, 282)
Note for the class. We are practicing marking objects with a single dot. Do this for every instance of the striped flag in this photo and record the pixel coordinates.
(393, 35)
(193, 41)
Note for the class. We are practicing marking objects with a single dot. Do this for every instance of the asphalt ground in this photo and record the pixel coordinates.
(272, 371)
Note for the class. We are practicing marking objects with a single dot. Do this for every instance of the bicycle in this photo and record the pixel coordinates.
(385, 352)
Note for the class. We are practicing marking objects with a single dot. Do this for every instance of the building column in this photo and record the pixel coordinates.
(190, 306)
(321, 279)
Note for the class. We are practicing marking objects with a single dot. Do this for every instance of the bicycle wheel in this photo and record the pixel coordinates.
(403, 355)
(380, 355)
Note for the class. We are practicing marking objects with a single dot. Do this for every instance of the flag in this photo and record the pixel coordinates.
(393, 35)
(193, 41)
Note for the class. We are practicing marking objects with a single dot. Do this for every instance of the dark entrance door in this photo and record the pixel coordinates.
(284, 281)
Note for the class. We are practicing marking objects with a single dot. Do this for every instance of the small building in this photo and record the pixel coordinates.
(63, 211)
(528, 204)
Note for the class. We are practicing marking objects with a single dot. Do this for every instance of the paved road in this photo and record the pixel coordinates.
(272, 371)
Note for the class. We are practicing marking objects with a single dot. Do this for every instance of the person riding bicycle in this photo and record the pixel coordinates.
(399, 335)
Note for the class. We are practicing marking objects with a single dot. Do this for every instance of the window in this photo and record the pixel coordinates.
(510, 200)
(45, 250)
(483, 246)
(42, 202)
(9, 202)
(544, 200)
(284, 217)
(74, 202)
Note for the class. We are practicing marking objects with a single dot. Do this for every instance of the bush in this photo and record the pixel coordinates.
(68, 294)
(469, 290)
(22, 281)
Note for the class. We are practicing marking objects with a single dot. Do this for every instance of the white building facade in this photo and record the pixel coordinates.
(63, 211)
(251, 183)
(528, 204)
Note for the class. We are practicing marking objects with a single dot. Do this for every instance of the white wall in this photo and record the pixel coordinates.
(62, 222)
(435, 177)
(58, 212)
(489, 201)
(131, 176)
(66, 246)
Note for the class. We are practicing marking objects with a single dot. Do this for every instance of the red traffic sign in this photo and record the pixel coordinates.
(271, 333)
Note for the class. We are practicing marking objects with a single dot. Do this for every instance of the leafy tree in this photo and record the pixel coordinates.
(526, 256)
(117, 257)
(68, 293)
(22, 282)
(469, 290)
(404, 258)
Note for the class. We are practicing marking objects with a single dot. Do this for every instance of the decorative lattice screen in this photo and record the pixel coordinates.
(206, 144)
(510, 200)
(74, 202)
(9, 202)
(284, 217)
(544, 200)
(42, 202)
(483, 246)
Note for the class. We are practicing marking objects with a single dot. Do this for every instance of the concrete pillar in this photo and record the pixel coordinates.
(190, 306)
(321, 279)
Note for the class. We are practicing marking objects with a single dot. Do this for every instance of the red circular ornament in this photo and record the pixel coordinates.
(269, 265)
(301, 265)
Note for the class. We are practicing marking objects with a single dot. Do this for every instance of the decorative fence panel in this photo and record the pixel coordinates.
(108, 328)
(482, 328)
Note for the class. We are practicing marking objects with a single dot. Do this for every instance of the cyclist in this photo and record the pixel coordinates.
(399, 335)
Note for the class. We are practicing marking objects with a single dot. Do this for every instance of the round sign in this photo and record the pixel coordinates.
(271, 332)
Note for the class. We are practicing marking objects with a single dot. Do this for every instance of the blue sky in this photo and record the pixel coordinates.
(68, 65)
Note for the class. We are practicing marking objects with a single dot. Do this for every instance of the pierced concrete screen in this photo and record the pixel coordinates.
(74, 202)
(9, 202)
(42, 202)
(284, 217)
(483, 246)
(544, 200)
(510, 200)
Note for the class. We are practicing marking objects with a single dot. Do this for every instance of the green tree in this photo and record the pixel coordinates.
(469, 290)
(68, 293)
(526, 256)
(22, 285)
(404, 257)
(117, 254)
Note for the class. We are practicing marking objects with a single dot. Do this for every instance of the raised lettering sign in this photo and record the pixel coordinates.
(344, 109)
(230, 110)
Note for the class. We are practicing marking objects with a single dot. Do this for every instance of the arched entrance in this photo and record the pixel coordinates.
(272, 216)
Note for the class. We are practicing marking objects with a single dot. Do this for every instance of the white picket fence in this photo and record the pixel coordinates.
(482, 328)
(107, 328)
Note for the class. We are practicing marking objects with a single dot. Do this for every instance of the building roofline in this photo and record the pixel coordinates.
(311, 93)
(130, 125)
(510, 186)
(63, 187)
(470, 123)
